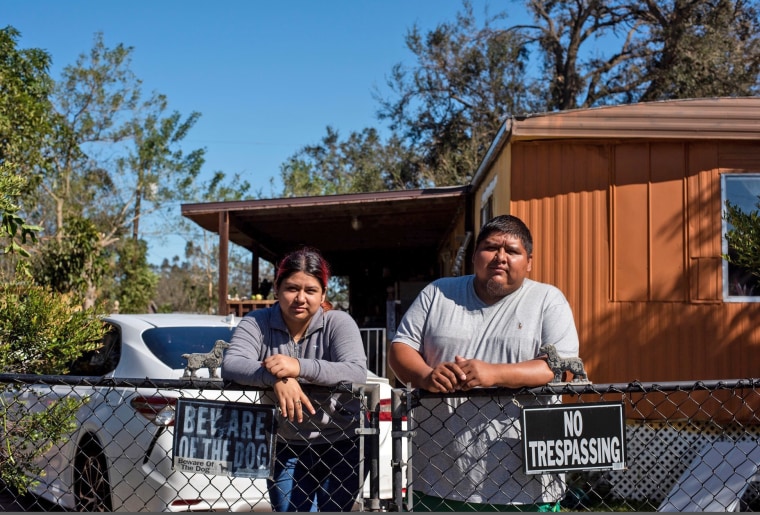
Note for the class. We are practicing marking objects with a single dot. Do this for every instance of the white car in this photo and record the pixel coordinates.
(119, 458)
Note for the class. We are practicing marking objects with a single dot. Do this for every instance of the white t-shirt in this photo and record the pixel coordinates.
(469, 448)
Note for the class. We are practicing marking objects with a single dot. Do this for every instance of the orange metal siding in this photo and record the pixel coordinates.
(667, 231)
(631, 247)
(631, 233)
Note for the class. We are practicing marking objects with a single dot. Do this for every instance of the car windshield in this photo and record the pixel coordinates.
(170, 343)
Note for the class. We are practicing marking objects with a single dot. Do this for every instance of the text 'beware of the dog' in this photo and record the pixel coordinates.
(567, 437)
(223, 438)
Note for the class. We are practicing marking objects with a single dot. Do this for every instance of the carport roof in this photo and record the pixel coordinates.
(390, 220)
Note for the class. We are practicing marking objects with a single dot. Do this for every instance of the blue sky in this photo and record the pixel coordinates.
(268, 77)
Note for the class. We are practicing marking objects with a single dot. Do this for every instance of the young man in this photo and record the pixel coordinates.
(482, 330)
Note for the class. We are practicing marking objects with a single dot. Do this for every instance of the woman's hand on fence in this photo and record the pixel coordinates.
(281, 366)
(292, 400)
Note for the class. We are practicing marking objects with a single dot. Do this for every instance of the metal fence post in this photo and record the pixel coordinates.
(399, 411)
(371, 442)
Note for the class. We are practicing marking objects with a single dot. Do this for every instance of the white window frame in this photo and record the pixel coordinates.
(744, 204)
(486, 202)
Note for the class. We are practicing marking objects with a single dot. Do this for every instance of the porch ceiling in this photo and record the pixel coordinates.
(390, 221)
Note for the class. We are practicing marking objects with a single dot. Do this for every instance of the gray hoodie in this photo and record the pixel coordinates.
(330, 353)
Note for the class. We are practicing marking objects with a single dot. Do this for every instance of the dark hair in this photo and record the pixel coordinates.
(507, 224)
(306, 260)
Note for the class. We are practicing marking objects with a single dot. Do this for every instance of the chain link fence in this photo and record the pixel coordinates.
(687, 446)
(94, 444)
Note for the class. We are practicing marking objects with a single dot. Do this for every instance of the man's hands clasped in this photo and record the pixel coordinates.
(461, 374)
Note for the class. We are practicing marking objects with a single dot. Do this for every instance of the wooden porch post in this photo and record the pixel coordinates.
(254, 273)
(224, 242)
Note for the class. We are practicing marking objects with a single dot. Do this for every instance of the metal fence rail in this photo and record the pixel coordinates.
(690, 446)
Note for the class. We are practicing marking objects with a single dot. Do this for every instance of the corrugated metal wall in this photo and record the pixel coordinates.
(630, 231)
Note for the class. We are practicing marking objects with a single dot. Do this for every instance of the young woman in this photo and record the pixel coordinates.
(301, 340)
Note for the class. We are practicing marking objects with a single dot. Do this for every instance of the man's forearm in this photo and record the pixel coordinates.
(407, 365)
(526, 374)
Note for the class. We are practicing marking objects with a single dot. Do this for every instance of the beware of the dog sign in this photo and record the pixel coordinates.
(566, 437)
(223, 438)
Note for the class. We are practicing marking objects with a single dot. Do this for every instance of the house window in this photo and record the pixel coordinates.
(742, 193)
(486, 211)
(486, 202)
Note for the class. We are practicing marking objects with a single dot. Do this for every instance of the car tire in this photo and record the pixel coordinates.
(91, 488)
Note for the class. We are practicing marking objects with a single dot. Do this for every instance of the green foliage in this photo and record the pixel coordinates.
(183, 287)
(189, 283)
(743, 238)
(94, 100)
(360, 163)
(30, 427)
(699, 49)
(136, 282)
(443, 112)
(449, 106)
(563, 33)
(24, 123)
(91, 198)
(41, 332)
(25, 110)
(300, 179)
(158, 170)
(599, 53)
(12, 226)
(74, 262)
(470, 76)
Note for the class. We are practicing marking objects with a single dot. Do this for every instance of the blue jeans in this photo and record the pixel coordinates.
(321, 477)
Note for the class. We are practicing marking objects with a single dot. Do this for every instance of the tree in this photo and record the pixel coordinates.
(25, 109)
(468, 78)
(113, 158)
(700, 48)
(90, 105)
(25, 113)
(75, 263)
(360, 163)
(92, 101)
(654, 50)
(40, 331)
(135, 282)
(573, 73)
(181, 287)
(156, 169)
(449, 107)
(189, 284)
